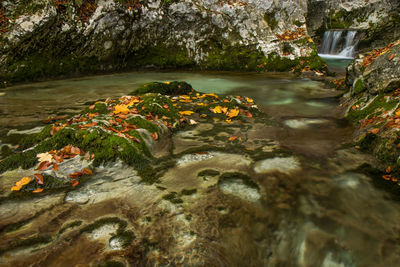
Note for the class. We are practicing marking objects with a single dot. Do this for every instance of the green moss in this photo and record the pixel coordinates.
(70, 225)
(154, 104)
(238, 176)
(378, 105)
(359, 86)
(32, 139)
(173, 198)
(151, 174)
(160, 56)
(100, 108)
(208, 172)
(171, 88)
(188, 192)
(112, 263)
(297, 23)
(269, 18)
(143, 124)
(340, 19)
(30, 242)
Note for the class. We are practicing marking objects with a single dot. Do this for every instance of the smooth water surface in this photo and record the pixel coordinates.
(335, 216)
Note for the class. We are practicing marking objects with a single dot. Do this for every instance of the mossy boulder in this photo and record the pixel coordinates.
(165, 88)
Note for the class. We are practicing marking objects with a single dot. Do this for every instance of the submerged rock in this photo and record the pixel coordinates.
(285, 165)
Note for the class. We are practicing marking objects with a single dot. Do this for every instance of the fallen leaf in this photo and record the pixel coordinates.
(217, 110)
(38, 177)
(374, 131)
(192, 122)
(74, 183)
(75, 150)
(233, 113)
(58, 158)
(87, 171)
(55, 167)
(76, 174)
(44, 157)
(155, 136)
(38, 190)
(391, 57)
(186, 112)
(44, 165)
(233, 138)
(388, 169)
(21, 183)
(121, 109)
(165, 106)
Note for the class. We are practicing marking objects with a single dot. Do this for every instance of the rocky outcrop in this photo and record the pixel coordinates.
(50, 38)
(377, 20)
(373, 104)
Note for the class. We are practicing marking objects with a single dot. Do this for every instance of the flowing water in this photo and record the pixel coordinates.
(307, 209)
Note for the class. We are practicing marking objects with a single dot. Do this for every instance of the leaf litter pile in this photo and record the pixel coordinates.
(120, 129)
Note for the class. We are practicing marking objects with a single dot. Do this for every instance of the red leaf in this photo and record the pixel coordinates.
(39, 178)
(75, 182)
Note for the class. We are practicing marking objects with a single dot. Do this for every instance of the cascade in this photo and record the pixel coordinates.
(338, 45)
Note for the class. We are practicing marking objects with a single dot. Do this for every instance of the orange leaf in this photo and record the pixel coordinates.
(121, 109)
(38, 190)
(87, 171)
(75, 182)
(58, 158)
(375, 130)
(55, 167)
(75, 150)
(76, 174)
(388, 169)
(155, 136)
(391, 57)
(39, 178)
(232, 138)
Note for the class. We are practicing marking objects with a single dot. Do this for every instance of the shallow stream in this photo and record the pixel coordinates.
(307, 207)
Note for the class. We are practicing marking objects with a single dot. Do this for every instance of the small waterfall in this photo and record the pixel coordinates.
(336, 44)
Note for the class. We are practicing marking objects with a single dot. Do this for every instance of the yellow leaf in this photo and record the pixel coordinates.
(224, 109)
(233, 113)
(310, 40)
(44, 157)
(23, 181)
(249, 100)
(186, 112)
(228, 121)
(201, 104)
(16, 188)
(167, 82)
(121, 109)
(185, 100)
(217, 109)
(184, 96)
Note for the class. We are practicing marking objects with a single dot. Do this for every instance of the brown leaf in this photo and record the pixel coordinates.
(76, 174)
(39, 178)
(75, 182)
(391, 57)
(55, 167)
(58, 158)
(75, 150)
(44, 165)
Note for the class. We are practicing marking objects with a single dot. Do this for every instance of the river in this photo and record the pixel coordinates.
(310, 208)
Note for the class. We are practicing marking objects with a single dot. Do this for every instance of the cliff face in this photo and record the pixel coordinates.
(46, 38)
(53, 38)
